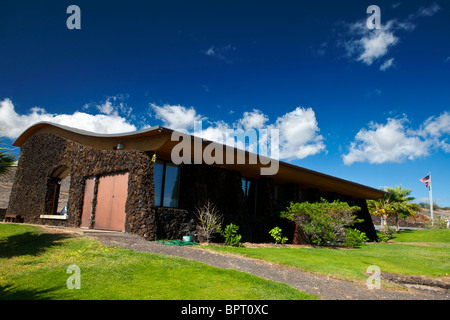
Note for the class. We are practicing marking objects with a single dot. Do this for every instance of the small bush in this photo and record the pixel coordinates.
(276, 234)
(209, 220)
(387, 233)
(232, 238)
(354, 238)
(439, 223)
(323, 222)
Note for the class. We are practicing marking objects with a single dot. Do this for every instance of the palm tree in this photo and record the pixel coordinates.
(7, 160)
(395, 202)
(401, 203)
(381, 207)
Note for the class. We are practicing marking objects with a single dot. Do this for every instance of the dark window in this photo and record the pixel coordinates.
(158, 177)
(249, 186)
(279, 192)
(166, 176)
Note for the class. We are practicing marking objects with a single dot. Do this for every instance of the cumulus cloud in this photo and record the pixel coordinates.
(299, 134)
(436, 126)
(366, 45)
(298, 129)
(12, 123)
(394, 141)
(114, 105)
(370, 45)
(176, 117)
(374, 45)
(255, 119)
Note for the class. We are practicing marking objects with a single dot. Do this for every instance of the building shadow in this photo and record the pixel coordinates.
(29, 243)
(10, 292)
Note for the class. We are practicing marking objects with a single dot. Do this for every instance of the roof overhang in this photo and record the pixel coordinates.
(161, 141)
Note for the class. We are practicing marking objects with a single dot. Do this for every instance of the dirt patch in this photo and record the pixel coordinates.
(275, 245)
(421, 244)
(443, 283)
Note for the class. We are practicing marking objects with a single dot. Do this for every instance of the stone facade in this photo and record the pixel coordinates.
(43, 154)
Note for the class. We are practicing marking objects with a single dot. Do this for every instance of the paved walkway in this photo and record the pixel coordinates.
(322, 286)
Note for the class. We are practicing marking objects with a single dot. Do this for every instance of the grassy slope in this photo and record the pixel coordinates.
(424, 252)
(33, 265)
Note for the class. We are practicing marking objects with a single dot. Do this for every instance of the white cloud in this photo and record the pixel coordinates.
(12, 124)
(367, 46)
(298, 130)
(395, 142)
(427, 11)
(299, 134)
(176, 117)
(387, 64)
(437, 126)
(106, 108)
(114, 105)
(375, 45)
(253, 120)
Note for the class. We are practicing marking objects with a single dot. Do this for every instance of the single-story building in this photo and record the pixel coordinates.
(127, 182)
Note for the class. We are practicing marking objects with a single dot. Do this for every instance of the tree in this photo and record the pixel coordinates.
(396, 202)
(7, 160)
(401, 203)
(381, 207)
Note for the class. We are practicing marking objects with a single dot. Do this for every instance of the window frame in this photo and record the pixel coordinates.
(163, 183)
(248, 181)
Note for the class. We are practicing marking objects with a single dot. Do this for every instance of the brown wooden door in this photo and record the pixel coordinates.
(87, 203)
(111, 198)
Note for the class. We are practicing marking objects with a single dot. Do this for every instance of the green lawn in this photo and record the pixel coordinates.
(421, 252)
(33, 265)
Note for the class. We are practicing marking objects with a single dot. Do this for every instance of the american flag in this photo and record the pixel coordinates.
(426, 180)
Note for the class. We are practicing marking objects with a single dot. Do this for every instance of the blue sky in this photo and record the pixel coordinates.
(370, 106)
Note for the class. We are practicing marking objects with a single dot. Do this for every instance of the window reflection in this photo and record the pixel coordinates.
(158, 173)
(166, 178)
(249, 186)
(171, 185)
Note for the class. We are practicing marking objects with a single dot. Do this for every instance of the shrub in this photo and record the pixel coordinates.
(209, 220)
(232, 238)
(354, 238)
(323, 222)
(387, 233)
(439, 223)
(276, 234)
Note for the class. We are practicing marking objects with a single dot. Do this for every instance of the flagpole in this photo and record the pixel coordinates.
(431, 201)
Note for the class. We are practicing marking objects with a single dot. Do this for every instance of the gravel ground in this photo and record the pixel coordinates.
(322, 286)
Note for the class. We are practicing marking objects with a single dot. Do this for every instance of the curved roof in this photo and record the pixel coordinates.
(138, 139)
(158, 139)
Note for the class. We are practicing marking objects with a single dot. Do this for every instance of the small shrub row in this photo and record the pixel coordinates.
(323, 222)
